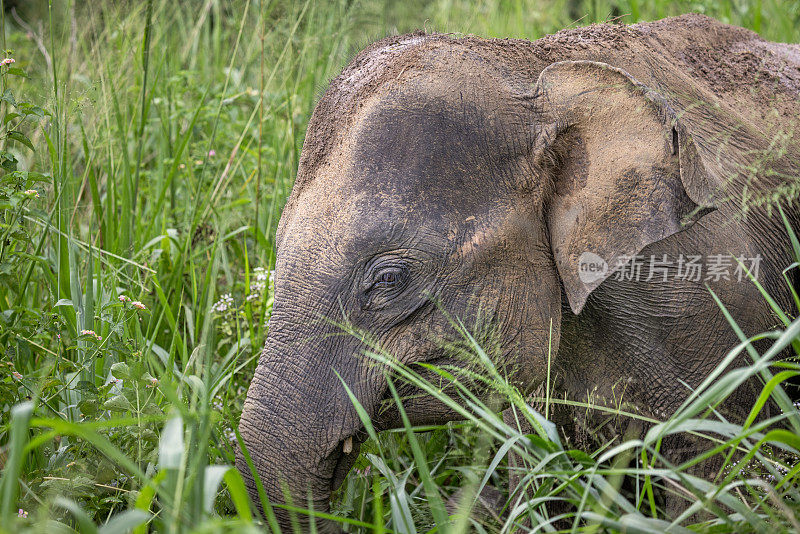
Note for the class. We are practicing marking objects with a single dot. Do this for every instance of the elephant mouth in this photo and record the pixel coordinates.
(344, 456)
(346, 452)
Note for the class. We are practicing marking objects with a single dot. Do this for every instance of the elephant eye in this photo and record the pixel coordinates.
(385, 280)
(390, 278)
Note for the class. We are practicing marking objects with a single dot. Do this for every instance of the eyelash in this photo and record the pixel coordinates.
(388, 279)
(392, 278)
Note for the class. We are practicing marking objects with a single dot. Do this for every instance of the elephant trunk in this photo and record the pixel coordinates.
(299, 427)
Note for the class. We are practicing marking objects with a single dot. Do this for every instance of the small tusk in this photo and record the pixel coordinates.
(347, 448)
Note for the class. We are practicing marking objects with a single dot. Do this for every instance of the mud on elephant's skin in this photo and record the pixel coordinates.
(475, 173)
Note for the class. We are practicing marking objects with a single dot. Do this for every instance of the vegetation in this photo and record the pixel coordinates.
(146, 150)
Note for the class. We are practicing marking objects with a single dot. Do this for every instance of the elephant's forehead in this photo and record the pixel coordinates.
(342, 224)
(437, 139)
(416, 158)
(428, 143)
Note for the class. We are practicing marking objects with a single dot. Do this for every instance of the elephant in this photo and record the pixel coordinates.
(558, 190)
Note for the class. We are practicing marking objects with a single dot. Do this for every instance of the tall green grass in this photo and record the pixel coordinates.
(162, 139)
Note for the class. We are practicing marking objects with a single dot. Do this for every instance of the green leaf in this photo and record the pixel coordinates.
(8, 96)
(30, 109)
(21, 138)
(85, 524)
(211, 481)
(170, 448)
(36, 177)
(145, 498)
(121, 370)
(16, 71)
(8, 161)
(151, 408)
(635, 524)
(86, 385)
(239, 496)
(125, 522)
(118, 403)
(431, 487)
(9, 485)
(88, 407)
(89, 435)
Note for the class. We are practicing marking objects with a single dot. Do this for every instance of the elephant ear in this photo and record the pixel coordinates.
(625, 171)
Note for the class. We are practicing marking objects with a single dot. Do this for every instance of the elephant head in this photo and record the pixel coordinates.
(432, 184)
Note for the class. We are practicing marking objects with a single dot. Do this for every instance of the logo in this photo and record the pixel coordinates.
(591, 267)
(691, 268)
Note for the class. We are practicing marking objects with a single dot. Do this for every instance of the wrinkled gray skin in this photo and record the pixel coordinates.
(476, 172)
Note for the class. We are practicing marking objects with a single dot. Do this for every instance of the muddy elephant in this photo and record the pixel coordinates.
(576, 181)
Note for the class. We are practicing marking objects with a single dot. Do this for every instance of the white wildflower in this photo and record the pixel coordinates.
(224, 303)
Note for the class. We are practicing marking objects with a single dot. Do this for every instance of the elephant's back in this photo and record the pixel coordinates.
(782, 60)
(691, 57)
(753, 76)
